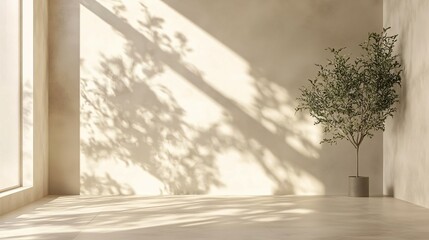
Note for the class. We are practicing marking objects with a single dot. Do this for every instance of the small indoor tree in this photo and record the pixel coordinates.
(351, 99)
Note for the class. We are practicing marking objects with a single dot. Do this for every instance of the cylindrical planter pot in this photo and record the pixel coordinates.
(358, 186)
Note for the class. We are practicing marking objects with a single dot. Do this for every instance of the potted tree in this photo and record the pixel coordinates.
(351, 99)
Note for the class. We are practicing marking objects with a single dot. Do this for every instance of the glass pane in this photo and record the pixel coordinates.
(9, 94)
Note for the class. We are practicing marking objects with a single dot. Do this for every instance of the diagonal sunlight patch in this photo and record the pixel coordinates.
(222, 69)
(89, 217)
(168, 109)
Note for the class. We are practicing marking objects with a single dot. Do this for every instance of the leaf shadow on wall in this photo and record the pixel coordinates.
(134, 120)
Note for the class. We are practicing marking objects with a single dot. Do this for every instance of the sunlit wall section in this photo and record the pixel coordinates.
(169, 106)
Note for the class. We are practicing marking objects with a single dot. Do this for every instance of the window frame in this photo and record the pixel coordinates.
(20, 101)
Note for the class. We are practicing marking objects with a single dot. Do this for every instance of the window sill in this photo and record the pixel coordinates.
(13, 191)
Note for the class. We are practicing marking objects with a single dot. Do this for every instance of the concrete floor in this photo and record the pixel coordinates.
(202, 217)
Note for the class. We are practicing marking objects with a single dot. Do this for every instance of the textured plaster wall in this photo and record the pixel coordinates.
(198, 97)
(189, 97)
(35, 112)
(406, 152)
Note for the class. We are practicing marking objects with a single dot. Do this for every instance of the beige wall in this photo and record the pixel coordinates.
(35, 101)
(64, 97)
(198, 97)
(406, 152)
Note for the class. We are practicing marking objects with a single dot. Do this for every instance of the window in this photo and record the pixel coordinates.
(10, 94)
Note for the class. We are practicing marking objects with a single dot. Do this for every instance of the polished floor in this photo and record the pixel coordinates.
(222, 218)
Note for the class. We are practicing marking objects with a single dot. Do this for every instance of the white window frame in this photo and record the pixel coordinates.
(20, 105)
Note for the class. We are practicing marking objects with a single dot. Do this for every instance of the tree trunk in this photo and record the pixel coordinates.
(357, 161)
